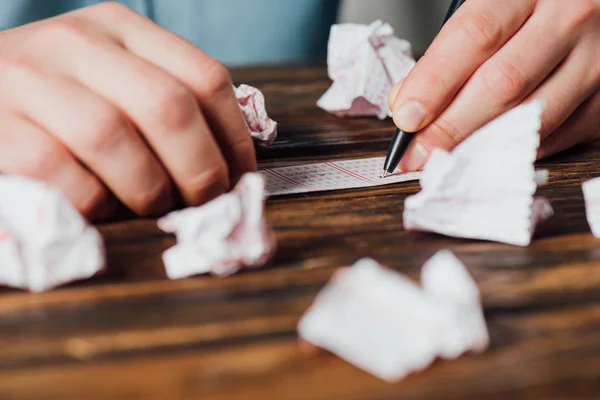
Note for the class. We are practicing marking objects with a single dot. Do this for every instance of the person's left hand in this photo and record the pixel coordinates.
(494, 55)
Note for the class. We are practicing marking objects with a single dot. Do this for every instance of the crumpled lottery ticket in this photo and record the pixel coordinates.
(448, 283)
(383, 323)
(221, 236)
(485, 188)
(252, 103)
(591, 195)
(364, 62)
(44, 241)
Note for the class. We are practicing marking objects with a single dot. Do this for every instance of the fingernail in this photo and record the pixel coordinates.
(394, 92)
(410, 117)
(415, 159)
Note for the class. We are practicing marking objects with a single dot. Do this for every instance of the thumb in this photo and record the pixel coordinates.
(416, 155)
(394, 93)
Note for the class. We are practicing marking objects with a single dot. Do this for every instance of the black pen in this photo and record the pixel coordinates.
(401, 140)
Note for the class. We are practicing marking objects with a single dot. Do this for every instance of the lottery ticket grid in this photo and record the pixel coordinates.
(333, 175)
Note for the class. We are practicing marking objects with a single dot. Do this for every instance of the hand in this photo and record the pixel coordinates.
(107, 105)
(494, 55)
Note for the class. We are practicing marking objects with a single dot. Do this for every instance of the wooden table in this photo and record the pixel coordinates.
(133, 334)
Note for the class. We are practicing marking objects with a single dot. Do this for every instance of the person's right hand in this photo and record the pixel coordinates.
(107, 105)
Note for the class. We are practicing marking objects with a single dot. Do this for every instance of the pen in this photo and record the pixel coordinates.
(401, 140)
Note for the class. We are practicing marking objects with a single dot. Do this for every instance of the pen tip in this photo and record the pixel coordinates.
(385, 174)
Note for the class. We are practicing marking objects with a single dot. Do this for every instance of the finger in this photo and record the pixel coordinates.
(208, 80)
(501, 83)
(394, 93)
(477, 30)
(27, 150)
(563, 94)
(96, 132)
(582, 126)
(162, 108)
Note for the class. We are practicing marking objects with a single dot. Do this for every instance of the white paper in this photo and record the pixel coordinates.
(221, 236)
(332, 175)
(364, 62)
(383, 323)
(591, 195)
(448, 282)
(485, 188)
(44, 241)
(252, 103)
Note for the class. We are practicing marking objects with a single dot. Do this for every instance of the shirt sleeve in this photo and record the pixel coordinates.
(236, 32)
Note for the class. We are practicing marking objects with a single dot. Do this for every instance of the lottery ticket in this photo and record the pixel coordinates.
(382, 322)
(44, 241)
(221, 236)
(332, 175)
(364, 62)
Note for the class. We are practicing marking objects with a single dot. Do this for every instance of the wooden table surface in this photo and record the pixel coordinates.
(133, 334)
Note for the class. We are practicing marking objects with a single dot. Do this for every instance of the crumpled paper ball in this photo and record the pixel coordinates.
(252, 103)
(484, 189)
(382, 322)
(44, 241)
(221, 236)
(364, 62)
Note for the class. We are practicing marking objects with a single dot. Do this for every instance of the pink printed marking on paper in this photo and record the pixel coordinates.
(252, 104)
(288, 179)
(344, 170)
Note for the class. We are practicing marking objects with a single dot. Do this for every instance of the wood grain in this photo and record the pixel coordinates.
(133, 334)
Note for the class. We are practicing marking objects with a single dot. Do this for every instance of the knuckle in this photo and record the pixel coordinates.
(106, 126)
(581, 12)
(484, 32)
(173, 106)
(112, 7)
(65, 29)
(215, 78)
(208, 184)
(505, 82)
(444, 132)
(16, 68)
(146, 202)
(114, 12)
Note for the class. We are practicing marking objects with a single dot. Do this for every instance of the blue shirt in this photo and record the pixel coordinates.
(234, 31)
